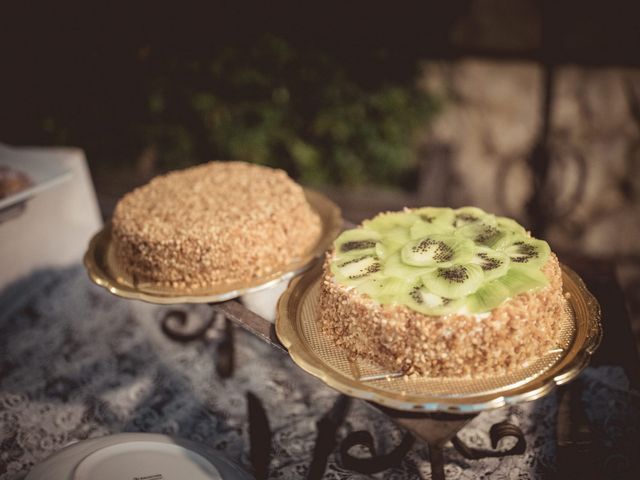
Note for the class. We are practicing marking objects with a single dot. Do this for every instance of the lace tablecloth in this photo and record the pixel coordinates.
(77, 362)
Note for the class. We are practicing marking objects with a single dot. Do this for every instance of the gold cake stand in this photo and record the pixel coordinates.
(103, 268)
(435, 409)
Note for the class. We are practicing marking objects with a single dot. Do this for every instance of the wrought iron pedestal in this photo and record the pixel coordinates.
(435, 429)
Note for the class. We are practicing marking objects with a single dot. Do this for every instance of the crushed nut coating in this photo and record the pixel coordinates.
(219, 222)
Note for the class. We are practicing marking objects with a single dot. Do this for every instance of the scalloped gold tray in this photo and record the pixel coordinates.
(103, 268)
(297, 329)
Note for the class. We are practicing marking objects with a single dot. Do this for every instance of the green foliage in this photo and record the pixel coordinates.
(299, 110)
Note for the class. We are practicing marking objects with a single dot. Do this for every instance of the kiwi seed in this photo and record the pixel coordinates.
(415, 294)
(427, 218)
(443, 252)
(526, 252)
(486, 234)
(353, 260)
(463, 218)
(373, 268)
(357, 245)
(488, 263)
(457, 274)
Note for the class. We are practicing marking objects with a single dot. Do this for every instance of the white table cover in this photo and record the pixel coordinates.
(56, 225)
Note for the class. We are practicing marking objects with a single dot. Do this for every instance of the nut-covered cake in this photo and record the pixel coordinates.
(216, 223)
(442, 292)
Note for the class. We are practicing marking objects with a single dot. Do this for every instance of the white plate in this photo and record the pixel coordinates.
(136, 456)
(43, 175)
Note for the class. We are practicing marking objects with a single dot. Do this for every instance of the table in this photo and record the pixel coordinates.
(77, 362)
(55, 226)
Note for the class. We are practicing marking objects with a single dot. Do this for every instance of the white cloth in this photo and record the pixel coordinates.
(55, 228)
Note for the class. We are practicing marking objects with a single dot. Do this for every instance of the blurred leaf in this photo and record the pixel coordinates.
(296, 109)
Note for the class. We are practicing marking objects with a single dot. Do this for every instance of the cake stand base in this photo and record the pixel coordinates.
(436, 429)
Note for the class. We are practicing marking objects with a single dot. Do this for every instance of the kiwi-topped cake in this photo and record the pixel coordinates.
(216, 223)
(442, 292)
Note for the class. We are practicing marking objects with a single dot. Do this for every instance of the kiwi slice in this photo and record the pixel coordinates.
(467, 215)
(356, 242)
(482, 232)
(489, 230)
(432, 220)
(524, 250)
(435, 215)
(384, 289)
(437, 250)
(382, 252)
(487, 297)
(421, 299)
(517, 280)
(455, 281)
(507, 225)
(356, 268)
(387, 221)
(395, 238)
(393, 266)
(421, 229)
(521, 279)
(494, 264)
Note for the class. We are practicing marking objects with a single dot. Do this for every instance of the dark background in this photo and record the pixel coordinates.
(81, 73)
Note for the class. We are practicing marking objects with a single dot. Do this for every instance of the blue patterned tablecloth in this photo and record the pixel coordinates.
(77, 362)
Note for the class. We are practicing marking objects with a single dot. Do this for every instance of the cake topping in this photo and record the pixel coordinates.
(437, 250)
(357, 245)
(439, 260)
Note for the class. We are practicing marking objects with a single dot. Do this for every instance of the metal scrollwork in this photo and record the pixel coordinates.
(179, 326)
(497, 432)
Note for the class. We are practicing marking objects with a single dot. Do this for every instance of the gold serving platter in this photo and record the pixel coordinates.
(298, 330)
(104, 270)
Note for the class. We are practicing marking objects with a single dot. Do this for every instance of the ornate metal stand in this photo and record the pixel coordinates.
(177, 325)
(435, 429)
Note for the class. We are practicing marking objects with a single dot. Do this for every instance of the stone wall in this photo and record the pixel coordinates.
(489, 126)
(491, 121)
